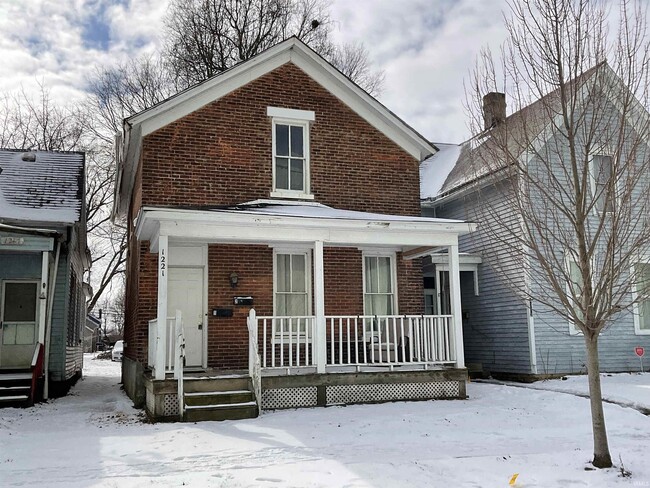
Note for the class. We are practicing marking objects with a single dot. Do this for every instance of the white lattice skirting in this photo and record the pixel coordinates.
(367, 393)
(289, 397)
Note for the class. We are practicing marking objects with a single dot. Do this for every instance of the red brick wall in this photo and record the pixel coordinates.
(221, 153)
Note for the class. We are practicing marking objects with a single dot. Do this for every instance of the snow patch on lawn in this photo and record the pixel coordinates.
(82, 441)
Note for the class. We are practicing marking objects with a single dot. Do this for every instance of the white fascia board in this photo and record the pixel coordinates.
(241, 227)
(363, 104)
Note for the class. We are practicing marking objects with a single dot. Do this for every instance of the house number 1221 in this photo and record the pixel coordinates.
(163, 264)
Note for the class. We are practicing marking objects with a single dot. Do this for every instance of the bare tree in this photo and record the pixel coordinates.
(352, 60)
(206, 37)
(572, 162)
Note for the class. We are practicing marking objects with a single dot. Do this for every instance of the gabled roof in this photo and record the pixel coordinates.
(518, 129)
(41, 187)
(291, 50)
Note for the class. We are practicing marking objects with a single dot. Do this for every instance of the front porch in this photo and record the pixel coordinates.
(351, 282)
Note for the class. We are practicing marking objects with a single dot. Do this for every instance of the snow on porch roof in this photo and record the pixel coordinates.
(41, 186)
(320, 211)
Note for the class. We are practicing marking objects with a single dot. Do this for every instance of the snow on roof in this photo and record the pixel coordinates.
(317, 210)
(435, 169)
(43, 186)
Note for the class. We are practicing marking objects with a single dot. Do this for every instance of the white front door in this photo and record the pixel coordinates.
(185, 293)
(18, 322)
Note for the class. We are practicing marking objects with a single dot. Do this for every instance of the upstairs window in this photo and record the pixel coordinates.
(602, 168)
(291, 178)
(642, 289)
(290, 160)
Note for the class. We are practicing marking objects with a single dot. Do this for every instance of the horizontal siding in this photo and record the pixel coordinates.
(73, 361)
(57, 364)
(495, 326)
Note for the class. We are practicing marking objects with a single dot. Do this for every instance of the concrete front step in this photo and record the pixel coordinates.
(12, 399)
(246, 410)
(218, 397)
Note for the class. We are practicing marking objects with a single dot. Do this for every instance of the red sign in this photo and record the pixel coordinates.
(639, 351)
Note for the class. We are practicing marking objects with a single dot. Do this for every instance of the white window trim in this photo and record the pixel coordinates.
(293, 117)
(635, 293)
(603, 151)
(393, 270)
(568, 259)
(308, 260)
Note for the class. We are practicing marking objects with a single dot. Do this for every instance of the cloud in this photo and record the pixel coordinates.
(426, 49)
(60, 43)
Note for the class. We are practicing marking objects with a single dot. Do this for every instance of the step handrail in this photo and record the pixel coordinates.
(36, 368)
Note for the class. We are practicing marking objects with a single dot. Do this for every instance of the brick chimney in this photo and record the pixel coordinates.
(494, 109)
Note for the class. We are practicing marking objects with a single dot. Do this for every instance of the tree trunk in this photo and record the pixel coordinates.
(602, 458)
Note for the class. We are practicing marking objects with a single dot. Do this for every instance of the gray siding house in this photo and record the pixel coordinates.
(43, 256)
(505, 334)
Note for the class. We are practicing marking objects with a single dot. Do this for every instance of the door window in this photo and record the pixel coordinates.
(19, 313)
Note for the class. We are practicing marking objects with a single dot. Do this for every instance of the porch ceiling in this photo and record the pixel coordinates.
(282, 222)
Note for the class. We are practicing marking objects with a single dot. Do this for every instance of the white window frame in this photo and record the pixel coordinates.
(568, 259)
(604, 151)
(635, 293)
(297, 118)
(308, 278)
(393, 271)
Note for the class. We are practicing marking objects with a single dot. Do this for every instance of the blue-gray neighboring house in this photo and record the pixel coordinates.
(504, 334)
(43, 256)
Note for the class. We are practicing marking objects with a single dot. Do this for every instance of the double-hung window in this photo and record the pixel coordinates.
(379, 286)
(575, 289)
(291, 175)
(602, 170)
(642, 289)
(292, 297)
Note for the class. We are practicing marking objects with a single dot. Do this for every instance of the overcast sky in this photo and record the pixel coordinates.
(425, 47)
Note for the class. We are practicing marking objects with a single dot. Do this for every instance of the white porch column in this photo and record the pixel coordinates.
(161, 330)
(456, 311)
(320, 332)
(43, 295)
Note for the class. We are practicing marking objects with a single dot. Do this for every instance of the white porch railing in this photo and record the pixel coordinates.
(170, 344)
(254, 365)
(287, 342)
(359, 340)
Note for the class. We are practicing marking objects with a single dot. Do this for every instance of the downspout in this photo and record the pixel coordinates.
(48, 324)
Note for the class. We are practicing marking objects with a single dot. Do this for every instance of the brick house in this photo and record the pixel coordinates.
(274, 212)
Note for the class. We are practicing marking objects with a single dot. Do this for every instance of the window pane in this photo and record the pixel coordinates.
(297, 304)
(282, 273)
(644, 289)
(281, 305)
(282, 173)
(602, 168)
(383, 275)
(381, 305)
(282, 140)
(296, 142)
(298, 273)
(296, 174)
(20, 302)
(371, 275)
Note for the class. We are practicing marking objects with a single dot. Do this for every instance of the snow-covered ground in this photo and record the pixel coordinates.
(93, 438)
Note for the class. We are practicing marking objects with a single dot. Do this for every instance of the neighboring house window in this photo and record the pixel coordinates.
(602, 170)
(291, 175)
(574, 289)
(292, 288)
(642, 288)
(379, 285)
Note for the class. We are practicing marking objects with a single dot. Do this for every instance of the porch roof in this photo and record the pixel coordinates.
(270, 221)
